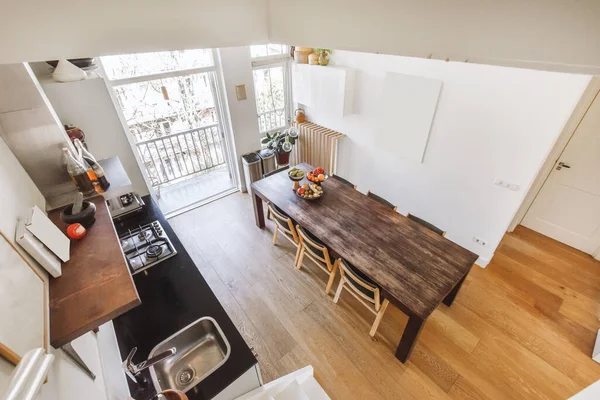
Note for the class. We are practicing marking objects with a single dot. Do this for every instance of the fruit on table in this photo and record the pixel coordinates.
(318, 171)
(311, 191)
(296, 173)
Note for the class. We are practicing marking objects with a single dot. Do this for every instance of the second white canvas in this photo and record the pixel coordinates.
(408, 106)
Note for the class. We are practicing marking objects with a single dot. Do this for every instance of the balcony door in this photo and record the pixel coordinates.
(171, 106)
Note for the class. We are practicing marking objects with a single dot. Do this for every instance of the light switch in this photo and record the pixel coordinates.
(510, 186)
(240, 92)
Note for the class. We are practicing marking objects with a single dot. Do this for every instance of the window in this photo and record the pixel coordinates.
(170, 104)
(271, 72)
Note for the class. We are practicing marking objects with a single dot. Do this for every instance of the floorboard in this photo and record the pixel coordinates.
(522, 328)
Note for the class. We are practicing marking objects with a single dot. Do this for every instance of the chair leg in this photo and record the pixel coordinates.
(379, 317)
(338, 292)
(331, 278)
(300, 259)
(275, 235)
(298, 255)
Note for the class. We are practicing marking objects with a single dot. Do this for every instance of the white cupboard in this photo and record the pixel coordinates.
(329, 88)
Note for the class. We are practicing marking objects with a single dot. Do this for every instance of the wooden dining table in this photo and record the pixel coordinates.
(415, 268)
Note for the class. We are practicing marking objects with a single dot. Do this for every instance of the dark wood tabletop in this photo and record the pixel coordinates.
(95, 286)
(415, 268)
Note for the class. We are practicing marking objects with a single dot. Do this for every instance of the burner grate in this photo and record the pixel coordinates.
(146, 246)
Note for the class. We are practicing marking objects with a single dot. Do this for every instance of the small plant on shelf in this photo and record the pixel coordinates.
(324, 55)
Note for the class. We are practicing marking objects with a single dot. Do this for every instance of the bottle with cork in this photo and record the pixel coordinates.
(95, 166)
(78, 173)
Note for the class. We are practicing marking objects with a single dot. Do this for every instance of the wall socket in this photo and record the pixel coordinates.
(479, 241)
(507, 185)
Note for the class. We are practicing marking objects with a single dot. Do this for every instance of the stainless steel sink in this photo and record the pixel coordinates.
(201, 349)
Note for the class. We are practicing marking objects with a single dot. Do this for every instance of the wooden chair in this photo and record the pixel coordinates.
(427, 225)
(284, 224)
(275, 171)
(363, 289)
(312, 248)
(344, 181)
(381, 200)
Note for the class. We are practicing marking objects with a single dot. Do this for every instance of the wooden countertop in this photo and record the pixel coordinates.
(96, 285)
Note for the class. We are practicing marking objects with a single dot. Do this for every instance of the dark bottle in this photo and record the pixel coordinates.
(96, 167)
(78, 173)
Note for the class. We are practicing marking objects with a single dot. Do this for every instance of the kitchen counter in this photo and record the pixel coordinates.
(95, 285)
(174, 294)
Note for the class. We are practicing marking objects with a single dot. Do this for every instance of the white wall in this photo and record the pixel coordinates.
(557, 35)
(39, 31)
(543, 34)
(491, 122)
(237, 70)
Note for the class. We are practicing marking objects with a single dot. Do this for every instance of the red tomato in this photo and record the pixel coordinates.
(76, 231)
(301, 191)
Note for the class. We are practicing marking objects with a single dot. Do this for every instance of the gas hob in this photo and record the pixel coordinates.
(146, 246)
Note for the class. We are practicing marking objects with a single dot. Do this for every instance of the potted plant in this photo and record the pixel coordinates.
(281, 142)
(324, 55)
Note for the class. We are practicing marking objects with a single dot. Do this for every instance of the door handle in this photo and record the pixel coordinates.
(562, 165)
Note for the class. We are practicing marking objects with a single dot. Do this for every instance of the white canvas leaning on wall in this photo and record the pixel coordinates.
(408, 106)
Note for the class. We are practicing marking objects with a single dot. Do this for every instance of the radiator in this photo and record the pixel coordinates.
(317, 146)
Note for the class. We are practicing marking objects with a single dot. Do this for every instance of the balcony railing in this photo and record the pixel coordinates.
(270, 120)
(171, 157)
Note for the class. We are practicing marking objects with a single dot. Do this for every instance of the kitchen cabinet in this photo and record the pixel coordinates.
(330, 88)
(249, 381)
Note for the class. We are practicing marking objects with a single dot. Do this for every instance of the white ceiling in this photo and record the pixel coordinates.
(561, 35)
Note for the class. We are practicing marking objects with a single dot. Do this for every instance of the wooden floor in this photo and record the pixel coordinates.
(523, 328)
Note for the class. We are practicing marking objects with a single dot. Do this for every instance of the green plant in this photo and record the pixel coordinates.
(275, 141)
(326, 51)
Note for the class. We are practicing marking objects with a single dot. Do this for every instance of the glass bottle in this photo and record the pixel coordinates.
(78, 173)
(95, 165)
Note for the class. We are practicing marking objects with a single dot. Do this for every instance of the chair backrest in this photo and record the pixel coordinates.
(360, 284)
(275, 171)
(427, 225)
(381, 200)
(283, 221)
(344, 181)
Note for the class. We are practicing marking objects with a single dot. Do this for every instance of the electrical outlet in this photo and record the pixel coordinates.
(507, 185)
(479, 241)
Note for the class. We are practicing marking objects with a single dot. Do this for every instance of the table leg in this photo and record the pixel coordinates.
(259, 214)
(452, 295)
(409, 338)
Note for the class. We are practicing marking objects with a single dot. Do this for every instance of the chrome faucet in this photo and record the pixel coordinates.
(132, 370)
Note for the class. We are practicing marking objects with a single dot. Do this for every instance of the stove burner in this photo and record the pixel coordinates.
(154, 251)
(143, 235)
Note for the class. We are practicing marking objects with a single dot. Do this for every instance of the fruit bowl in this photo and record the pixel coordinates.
(296, 174)
(317, 176)
(309, 191)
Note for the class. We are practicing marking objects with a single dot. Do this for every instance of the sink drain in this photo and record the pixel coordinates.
(185, 376)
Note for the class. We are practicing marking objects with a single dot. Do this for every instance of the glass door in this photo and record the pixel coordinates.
(170, 104)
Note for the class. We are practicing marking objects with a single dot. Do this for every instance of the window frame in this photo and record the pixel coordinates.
(215, 82)
(264, 62)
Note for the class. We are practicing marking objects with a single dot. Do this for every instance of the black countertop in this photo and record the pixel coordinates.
(174, 294)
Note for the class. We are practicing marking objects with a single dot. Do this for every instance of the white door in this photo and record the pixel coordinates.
(568, 205)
